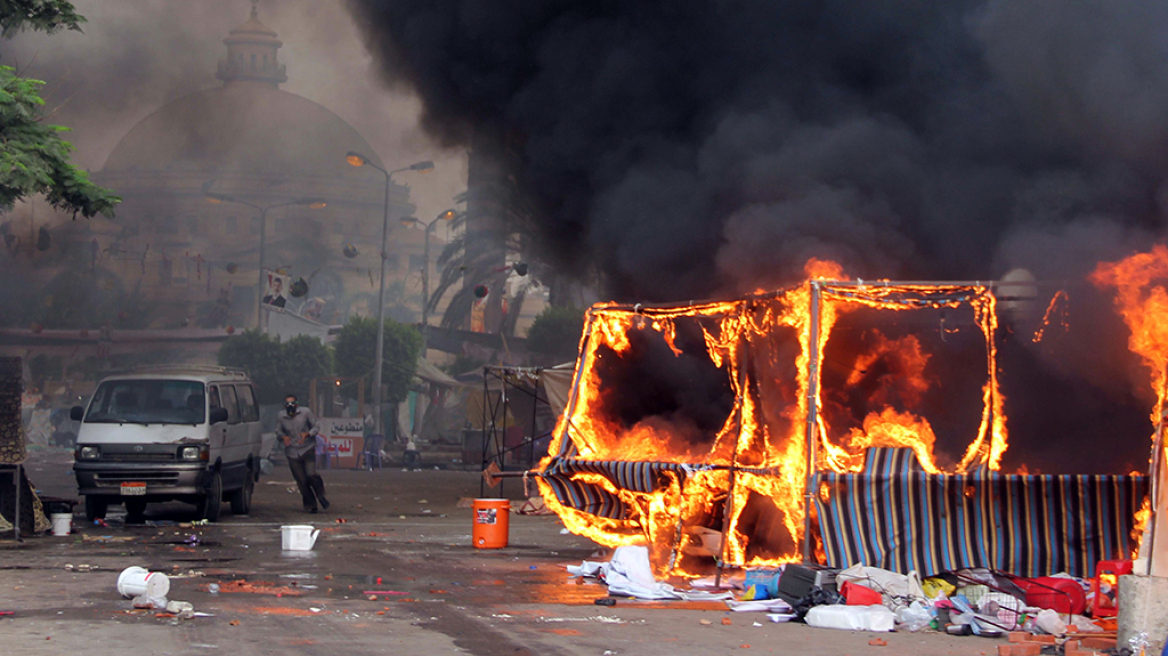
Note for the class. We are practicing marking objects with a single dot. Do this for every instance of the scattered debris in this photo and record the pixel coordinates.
(258, 587)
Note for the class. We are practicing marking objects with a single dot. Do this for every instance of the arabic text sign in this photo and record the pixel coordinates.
(345, 438)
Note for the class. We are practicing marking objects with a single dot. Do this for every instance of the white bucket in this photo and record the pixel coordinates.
(62, 523)
(298, 537)
(136, 581)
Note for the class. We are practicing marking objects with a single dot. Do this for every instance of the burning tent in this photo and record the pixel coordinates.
(713, 431)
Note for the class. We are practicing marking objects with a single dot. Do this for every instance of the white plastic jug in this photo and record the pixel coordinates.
(137, 581)
(62, 523)
(298, 537)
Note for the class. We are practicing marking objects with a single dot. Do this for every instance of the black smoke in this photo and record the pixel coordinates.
(691, 147)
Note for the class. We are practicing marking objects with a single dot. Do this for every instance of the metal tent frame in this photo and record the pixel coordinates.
(494, 420)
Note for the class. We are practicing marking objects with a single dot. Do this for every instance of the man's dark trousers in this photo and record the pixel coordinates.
(310, 483)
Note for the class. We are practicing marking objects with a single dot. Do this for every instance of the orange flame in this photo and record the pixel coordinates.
(817, 269)
(1141, 523)
(753, 468)
(895, 429)
(1047, 316)
(1144, 308)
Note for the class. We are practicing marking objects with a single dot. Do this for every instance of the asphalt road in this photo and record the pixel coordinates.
(395, 533)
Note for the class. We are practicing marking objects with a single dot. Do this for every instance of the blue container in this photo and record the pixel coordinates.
(768, 579)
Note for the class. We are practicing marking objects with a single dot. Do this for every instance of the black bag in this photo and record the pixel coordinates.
(817, 597)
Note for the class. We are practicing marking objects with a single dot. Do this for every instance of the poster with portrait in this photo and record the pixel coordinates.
(276, 290)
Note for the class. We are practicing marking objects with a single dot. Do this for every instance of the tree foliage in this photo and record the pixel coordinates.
(356, 346)
(42, 15)
(262, 357)
(34, 158)
(305, 358)
(277, 368)
(556, 332)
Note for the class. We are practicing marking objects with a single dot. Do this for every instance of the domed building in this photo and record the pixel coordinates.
(252, 146)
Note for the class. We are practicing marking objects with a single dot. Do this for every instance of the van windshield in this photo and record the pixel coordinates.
(140, 401)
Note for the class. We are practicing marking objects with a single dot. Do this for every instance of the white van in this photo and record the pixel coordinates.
(186, 433)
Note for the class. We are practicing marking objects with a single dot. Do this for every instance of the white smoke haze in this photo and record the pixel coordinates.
(137, 55)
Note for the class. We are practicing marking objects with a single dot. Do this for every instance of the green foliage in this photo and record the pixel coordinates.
(305, 358)
(42, 15)
(35, 159)
(262, 357)
(556, 332)
(356, 346)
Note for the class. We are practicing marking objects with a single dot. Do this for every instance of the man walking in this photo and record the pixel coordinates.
(298, 428)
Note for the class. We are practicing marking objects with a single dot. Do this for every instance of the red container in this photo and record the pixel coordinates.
(1105, 587)
(858, 595)
(1056, 593)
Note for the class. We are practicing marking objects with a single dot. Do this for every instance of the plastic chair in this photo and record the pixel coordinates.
(371, 453)
(323, 453)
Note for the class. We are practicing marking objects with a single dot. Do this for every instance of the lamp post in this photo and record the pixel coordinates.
(314, 203)
(357, 159)
(409, 221)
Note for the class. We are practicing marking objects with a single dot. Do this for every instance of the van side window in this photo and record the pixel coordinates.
(213, 397)
(227, 393)
(247, 403)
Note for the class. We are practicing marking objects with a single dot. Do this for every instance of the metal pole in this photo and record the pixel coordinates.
(260, 291)
(426, 286)
(728, 507)
(18, 474)
(812, 415)
(483, 445)
(534, 418)
(379, 352)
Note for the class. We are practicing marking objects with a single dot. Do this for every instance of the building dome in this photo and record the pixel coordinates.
(243, 127)
(248, 126)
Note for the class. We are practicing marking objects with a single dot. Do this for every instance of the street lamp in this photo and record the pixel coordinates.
(213, 197)
(410, 221)
(357, 159)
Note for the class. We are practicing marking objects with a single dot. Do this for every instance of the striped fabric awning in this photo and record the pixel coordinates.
(591, 498)
(895, 516)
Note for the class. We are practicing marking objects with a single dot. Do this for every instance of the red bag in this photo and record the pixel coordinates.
(1056, 593)
(858, 595)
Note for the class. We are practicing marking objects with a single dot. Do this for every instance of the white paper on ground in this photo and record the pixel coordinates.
(701, 595)
(759, 605)
(736, 581)
(779, 618)
(628, 574)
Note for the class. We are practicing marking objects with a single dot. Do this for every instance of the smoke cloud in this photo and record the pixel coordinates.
(136, 55)
(690, 148)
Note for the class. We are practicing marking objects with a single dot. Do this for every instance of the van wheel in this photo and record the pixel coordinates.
(95, 508)
(209, 503)
(135, 509)
(241, 498)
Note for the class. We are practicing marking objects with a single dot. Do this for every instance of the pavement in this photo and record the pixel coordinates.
(399, 535)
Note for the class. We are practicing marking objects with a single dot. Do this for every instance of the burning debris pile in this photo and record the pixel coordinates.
(705, 430)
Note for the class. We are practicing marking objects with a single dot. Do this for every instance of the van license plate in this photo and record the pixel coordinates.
(133, 489)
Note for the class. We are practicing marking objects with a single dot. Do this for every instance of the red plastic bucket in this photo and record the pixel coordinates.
(491, 523)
